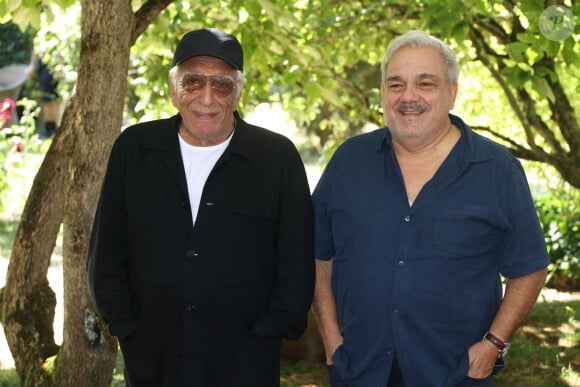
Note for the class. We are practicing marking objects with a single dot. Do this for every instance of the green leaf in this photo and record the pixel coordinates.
(569, 53)
(27, 16)
(517, 50)
(331, 96)
(545, 72)
(541, 86)
(13, 5)
(461, 30)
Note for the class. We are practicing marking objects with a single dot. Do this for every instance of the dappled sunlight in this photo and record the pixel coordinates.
(546, 348)
(570, 376)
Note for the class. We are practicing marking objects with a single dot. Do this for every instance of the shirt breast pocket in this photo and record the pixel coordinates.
(465, 230)
(252, 226)
(248, 245)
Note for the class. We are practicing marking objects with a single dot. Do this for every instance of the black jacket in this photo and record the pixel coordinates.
(205, 305)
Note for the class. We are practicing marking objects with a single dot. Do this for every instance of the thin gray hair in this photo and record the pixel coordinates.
(416, 38)
(239, 77)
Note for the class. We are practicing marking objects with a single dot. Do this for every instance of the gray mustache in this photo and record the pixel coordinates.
(411, 107)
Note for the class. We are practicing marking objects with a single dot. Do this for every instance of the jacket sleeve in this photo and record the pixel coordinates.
(107, 262)
(291, 298)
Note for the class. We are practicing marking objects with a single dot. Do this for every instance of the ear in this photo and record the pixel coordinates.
(173, 92)
(383, 91)
(452, 94)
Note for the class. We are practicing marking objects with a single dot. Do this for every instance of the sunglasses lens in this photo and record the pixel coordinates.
(193, 82)
(220, 84)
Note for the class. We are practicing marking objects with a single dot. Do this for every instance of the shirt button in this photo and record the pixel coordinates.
(401, 263)
(408, 218)
(188, 307)
(192, 254)
(395, 309)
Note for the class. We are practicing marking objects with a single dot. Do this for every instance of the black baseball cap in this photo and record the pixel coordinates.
(210, 42)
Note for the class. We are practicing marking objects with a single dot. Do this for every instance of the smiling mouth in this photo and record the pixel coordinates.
(205, 116)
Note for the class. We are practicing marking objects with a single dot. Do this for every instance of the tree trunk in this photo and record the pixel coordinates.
(28, 302)
(88, 352)
(66, 190)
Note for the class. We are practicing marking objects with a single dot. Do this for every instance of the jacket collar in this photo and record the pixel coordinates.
(243, 144)
(166, 139)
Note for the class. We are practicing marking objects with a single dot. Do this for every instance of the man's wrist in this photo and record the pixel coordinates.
(502, 346)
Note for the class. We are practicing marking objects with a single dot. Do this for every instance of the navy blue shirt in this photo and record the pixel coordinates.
(423, 280)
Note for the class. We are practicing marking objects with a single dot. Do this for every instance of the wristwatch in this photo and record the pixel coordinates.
(503, 347)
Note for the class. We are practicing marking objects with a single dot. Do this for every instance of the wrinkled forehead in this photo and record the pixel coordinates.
(416, 62)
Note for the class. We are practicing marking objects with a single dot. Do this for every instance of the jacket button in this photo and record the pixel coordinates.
(192, 254)
(188, 307)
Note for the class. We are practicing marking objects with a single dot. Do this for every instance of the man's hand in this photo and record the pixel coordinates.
(331, 348)
(482, 358)
(324, 308)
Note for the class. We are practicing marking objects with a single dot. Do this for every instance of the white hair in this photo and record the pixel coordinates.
(416, 38)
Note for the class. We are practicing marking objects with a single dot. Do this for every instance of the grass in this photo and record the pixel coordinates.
(9, 378)
(303, 373)
(545, 350)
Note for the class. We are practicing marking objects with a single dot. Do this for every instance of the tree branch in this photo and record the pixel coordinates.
(536, 122)
(563, 114)
(482, 49)
(527, 116)
(515, 149)
(145, 16)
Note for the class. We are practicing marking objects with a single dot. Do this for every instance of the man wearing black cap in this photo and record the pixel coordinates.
(201, 257)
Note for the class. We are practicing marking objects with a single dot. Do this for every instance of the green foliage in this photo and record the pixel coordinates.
(9, 378)
(58, 45)
(16, 44)
(19, 146)
(7, 234)
(119, 371)
(22, 12)
(560, 219)
(320, 59)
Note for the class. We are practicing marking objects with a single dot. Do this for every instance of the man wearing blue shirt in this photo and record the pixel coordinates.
(415, 223)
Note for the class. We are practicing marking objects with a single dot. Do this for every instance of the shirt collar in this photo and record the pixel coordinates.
(468, 149)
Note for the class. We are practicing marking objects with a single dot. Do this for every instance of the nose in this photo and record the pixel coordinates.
(409, 94)
(206, 94)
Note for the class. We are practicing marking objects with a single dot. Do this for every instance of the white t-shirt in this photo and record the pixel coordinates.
(198, 162)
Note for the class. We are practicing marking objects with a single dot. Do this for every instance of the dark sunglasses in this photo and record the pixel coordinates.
(222, 85)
